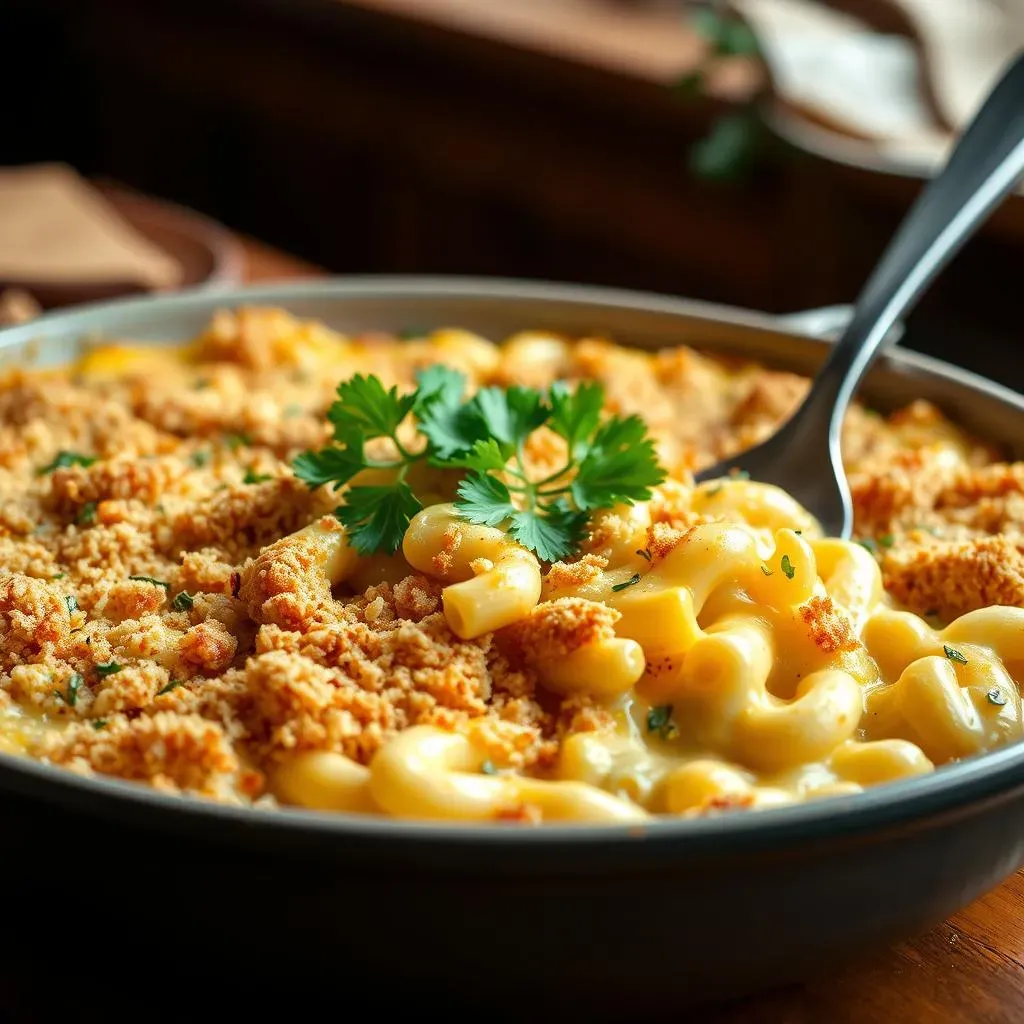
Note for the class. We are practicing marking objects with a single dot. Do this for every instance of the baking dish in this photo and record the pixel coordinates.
(610, 920)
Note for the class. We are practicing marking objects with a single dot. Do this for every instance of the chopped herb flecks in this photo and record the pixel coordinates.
(632, 581)
(767, 571)
(108, 668)
(236, 441)
(996, 697)
(64, 460)
(787, 567)
(183, 602)
(644, 554)
(953, 654)
(150, 579)
(72, 602)
(252, 477)
(172, 685)
(659, 720)
(487, 768)
(86, 514)
(70, 696)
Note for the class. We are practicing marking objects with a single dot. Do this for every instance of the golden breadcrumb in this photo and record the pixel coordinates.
(948, 580)
(830, 630)
(557, 628)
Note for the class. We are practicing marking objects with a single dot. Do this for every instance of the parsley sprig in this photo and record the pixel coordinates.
(608, 460)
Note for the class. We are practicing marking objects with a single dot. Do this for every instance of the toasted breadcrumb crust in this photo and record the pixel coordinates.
(228, 652)
(829, 629)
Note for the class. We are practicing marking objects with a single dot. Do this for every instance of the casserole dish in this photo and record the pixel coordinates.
(610, 920)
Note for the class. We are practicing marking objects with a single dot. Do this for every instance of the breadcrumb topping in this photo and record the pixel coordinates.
(164, 622)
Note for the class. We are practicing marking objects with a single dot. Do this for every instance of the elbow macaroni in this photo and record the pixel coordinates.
(496, 581)
(755, 664)
(710, 652)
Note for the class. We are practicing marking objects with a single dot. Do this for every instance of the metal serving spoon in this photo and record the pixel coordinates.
(803, 455)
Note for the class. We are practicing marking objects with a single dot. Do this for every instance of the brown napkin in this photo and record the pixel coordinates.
(56, 229)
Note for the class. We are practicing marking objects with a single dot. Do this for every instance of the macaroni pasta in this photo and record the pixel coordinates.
(176, 609)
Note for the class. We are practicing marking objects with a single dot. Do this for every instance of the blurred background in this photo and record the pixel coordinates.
(758, 153)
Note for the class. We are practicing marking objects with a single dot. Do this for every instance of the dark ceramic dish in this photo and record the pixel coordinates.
(510, 920)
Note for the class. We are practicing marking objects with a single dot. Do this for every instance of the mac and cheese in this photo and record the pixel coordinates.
(177, 609)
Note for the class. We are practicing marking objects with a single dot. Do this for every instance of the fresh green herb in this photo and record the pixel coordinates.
(70, 696)
(953, 654)
(236, 441)
(65, 460)
(183, 601)
(150, 579)
(99, 723)
(869, 545)
(713, 492)
(659, 720)
(199, 459)
(631, 582)
(644, 554)
(730, 148)
(59, 576)
(86, 514)
(996, 697)
(200, 384)
(487, 768)
(799, 533)
(787, 567)
(252, 477)
(108, 668)
(728, 36)
(886, 540)
(172, 685)
(767, 571)
(72, 602)
(608, 462)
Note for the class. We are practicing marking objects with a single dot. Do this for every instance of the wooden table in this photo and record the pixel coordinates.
(969, 969)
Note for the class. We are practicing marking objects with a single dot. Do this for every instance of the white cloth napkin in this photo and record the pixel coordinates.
(867, 86)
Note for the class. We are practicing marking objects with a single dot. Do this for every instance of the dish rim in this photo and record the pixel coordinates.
(952, 788)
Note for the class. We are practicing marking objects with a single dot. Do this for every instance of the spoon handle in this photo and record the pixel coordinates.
(984, 168)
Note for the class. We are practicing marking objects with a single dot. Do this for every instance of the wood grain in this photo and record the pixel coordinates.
(654, 44)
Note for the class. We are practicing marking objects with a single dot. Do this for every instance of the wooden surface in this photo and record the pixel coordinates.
(969, 969)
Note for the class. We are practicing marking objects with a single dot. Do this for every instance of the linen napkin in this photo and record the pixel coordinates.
(56, 229)
(903, 97)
